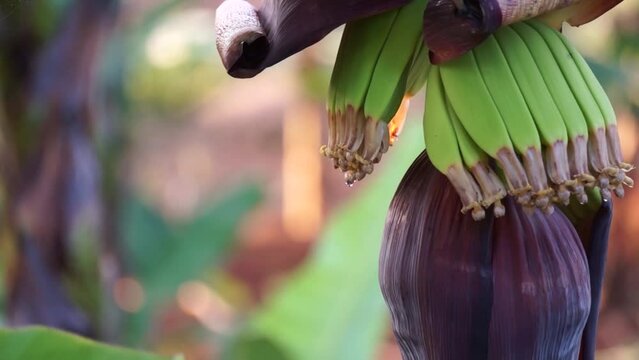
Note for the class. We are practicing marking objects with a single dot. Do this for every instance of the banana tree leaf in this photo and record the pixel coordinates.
(164, 256)
(332, 307)
(36, 343)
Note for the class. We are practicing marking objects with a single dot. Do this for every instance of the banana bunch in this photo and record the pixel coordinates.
(381, 63)
(522, 114)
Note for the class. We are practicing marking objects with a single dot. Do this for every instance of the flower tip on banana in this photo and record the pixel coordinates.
(478, 213)
(240, 38)
(499, 210)
(356, 143)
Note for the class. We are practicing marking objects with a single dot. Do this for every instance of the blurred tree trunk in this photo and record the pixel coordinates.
(48, 160)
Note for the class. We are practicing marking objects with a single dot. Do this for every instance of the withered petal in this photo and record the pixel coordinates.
(516, 287)
(250, 40)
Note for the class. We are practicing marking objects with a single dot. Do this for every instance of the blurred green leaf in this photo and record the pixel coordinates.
(146, 235)
(163, 256)
(35, 343)
(252, 346)
(608, 74)
(332, 307)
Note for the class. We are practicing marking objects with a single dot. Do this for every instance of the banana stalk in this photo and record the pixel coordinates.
(250, 39)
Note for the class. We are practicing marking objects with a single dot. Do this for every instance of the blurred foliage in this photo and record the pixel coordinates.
(332, 307)
(163, 256)
(172, 90)
(177, 62)
(42, 343)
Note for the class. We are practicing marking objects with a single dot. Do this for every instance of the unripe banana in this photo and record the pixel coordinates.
(415, 81)
(478, 113)
(543, 109)
(619, 167)
(418, 73)
(517, 118)
(598, 157)
(368, 87)
(571, 113)
(442, 146)
(477, 161)
(390, 75)
(365, 40)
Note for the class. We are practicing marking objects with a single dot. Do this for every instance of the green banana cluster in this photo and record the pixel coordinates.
(522, 114)
(381, 62)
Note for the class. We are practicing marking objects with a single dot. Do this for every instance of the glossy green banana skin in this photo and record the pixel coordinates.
(477, 111)
(442, 146)
(604, 152)
(390, 75)
(377, 57)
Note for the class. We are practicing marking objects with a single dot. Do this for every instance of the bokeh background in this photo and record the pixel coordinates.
(150, 200)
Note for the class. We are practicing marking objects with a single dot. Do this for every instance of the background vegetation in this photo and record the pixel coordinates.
(150, 201)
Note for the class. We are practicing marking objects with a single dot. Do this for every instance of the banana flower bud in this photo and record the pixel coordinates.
(516, 287)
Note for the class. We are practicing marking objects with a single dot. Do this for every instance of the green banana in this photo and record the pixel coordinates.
(573, 117)
(419, 69)
(517, 118)
(618, 166)
(522, 109)
(477, 161)
(609, 176)
(370, 79)
(543, 108)
(415, 81)
(442, 147)
(472, 102)
(361, 44)
(388, 83)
